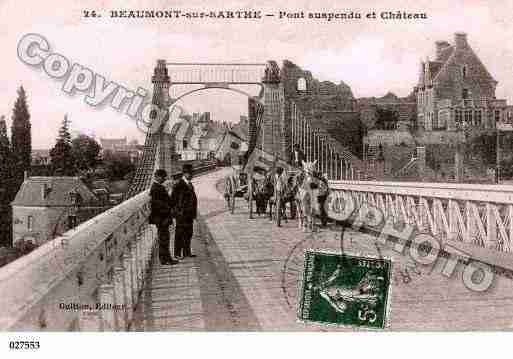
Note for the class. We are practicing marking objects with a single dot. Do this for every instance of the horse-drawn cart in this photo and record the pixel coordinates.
(235, 185)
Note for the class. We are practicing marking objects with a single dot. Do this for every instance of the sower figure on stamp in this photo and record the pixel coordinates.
(186, 209)
(160, 215)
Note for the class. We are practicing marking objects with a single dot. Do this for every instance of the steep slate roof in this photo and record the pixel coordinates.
(434, 68)
(446, 53)
(184, 131)
(445, 58)
(30, 192)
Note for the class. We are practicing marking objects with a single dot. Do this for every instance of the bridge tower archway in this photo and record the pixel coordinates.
(265, 111)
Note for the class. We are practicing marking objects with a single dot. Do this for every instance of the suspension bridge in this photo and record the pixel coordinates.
(247, 271)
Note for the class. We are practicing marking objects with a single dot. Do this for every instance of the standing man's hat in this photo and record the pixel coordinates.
(187, 167)
(176, 175)
(161, 173)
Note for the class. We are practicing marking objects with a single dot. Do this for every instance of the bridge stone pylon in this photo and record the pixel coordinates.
(158, 146)
(273, 127)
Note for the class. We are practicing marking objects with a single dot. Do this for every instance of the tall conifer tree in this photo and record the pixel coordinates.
(7, 185)
(63, 162)
(21, 137)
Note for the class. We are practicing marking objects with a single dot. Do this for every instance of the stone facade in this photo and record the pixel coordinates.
(330, 106)
(456, 91)
(273, 126)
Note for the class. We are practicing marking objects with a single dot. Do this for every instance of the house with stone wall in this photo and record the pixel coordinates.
(456, 91)
(46, 207)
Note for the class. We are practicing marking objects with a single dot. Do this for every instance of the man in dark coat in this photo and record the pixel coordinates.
(297, 157)
(160, 215)
(184, 199)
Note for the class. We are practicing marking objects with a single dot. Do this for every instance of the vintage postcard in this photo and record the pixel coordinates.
(256, 166)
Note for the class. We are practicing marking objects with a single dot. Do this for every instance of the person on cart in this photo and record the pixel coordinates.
(297, 157)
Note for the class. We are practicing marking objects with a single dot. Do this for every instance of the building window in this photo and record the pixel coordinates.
(497, 116)
(458, 118)
(443, 119)
(301, 84)
(468, 117)
(464, 71)
(464, 94)
(30, 223)
(72, 221)
(478, 117)
(184, 144)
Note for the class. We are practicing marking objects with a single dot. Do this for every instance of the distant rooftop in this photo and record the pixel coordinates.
(53, 192)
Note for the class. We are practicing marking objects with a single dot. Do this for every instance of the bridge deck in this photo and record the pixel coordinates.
(246, 273)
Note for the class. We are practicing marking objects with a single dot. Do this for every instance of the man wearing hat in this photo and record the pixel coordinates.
(160, 215)
(185, 203)
(297, 157)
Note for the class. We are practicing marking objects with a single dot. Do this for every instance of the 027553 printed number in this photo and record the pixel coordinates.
(24, 345)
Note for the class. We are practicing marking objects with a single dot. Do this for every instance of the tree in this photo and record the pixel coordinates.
(8, 185)
(118, 166)
(5, 149)
(61, 154)
(85, 151)
(21, 138)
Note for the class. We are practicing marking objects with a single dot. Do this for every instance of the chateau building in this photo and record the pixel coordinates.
(456, 91)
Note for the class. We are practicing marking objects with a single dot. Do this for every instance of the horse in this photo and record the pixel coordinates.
(262, 192)
(306, 197)
(277, 201)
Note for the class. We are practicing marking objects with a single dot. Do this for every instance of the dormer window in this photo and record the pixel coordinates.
(72, 221)
(74, 197)
(301, 84)
(45, 191)
(30, 223)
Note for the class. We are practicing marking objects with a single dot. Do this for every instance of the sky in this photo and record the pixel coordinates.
(371, 56)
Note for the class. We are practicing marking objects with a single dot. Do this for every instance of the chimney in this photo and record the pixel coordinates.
(440, 45)
(460, 40)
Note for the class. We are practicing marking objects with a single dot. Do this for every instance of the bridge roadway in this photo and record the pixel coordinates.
(246, 272)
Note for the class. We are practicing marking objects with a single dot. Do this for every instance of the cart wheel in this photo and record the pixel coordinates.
(227, 201)
(232, 203)
(277, 207)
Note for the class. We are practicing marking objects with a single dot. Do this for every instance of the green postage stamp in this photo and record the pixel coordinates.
(345, 289)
